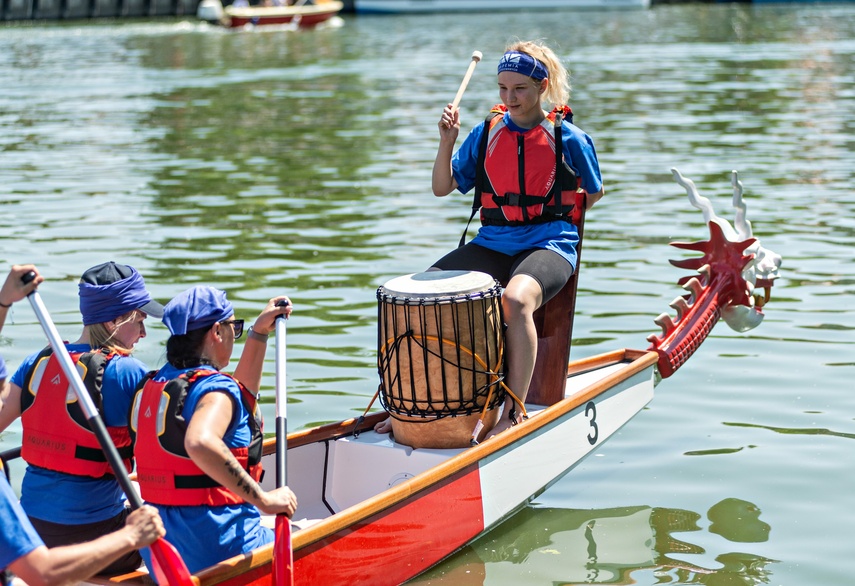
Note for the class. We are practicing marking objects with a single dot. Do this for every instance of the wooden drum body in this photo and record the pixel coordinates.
(440, 351)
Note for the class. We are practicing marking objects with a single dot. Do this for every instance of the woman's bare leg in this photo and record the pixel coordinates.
(521, 298)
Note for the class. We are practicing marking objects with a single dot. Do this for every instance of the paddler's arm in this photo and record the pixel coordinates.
(69, 564)
(10, 404)
(592, 198)
(251, 363)
(204, 444)
(442, 181)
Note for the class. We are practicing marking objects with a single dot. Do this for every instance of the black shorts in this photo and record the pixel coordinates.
(547, 267)
(57, 534)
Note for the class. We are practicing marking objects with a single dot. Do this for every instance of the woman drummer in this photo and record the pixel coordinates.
(199, 463)
(69, 491)
(526, 240)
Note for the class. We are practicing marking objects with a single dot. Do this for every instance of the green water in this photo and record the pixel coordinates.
(299, 163)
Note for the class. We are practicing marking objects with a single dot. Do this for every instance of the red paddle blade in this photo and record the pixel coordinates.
(169, 568)
(283, 555)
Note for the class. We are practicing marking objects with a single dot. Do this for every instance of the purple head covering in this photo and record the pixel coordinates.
(196, 308)
(523, 63)
(110, 290)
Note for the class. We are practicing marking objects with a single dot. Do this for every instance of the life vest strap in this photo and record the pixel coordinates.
(519, 199)
(195, 481)
(97, 454)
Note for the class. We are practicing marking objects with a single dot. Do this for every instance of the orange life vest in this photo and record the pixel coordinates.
(165, 472)
(56, 434)
(521, 177)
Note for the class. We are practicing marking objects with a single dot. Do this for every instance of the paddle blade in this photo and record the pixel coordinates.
(169, 568)
(283, 555)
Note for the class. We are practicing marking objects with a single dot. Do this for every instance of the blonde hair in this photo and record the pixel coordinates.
(558, 89)
(101, 336)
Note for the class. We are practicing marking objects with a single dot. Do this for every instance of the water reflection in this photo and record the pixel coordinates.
(262, 162)
(614, 546)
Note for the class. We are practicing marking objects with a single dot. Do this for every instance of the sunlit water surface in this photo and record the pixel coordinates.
(299, 162)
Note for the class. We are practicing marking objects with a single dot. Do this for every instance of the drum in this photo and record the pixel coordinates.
(440, 352)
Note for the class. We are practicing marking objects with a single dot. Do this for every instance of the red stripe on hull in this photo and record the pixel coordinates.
(305, 22)
(426, 530)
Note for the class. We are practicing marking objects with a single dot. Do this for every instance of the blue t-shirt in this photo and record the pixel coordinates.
(202, 534)
(561, 237)
(17, 536)
(74, 500)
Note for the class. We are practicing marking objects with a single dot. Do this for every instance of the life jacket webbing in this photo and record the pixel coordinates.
(166, 473)
(56, 434)
(557, 210)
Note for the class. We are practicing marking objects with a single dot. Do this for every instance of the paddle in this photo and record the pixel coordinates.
(283, 555)
(169, 568)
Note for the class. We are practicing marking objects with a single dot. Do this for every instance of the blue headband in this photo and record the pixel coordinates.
(523, 63)
(117, 290)
(196, 308)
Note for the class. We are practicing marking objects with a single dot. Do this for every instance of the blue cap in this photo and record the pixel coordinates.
(523, 63)
(110, 290)
(196, 308)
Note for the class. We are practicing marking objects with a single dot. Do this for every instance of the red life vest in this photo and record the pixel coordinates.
(165, 472)
(56, 433)
(521, 177)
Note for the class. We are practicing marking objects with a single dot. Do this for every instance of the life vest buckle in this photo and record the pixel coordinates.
(509, 199)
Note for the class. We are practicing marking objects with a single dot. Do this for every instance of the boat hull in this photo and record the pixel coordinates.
(306, 16)
(376, 512)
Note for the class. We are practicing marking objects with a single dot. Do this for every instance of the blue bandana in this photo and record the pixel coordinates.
(110, 290)
(523, 63)
(196, 308)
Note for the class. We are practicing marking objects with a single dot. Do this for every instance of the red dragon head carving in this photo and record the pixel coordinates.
(735, 275)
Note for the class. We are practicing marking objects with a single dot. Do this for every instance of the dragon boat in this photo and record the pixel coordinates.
(375, 511)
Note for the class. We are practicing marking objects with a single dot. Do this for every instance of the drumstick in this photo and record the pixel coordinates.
(476, 57)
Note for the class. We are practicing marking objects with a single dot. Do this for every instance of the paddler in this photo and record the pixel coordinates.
(22, 552)
(69, 491)
(198, 435)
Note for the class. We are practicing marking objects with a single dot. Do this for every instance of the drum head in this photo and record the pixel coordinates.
(439, 284)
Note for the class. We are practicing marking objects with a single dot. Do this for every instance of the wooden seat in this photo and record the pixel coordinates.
(554, 323)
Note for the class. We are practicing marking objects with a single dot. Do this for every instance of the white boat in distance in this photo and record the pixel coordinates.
(427, 6)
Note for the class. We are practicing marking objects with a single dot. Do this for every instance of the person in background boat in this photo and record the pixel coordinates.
(199, 463)
(69, 491)
(525, 240)
(22, 551)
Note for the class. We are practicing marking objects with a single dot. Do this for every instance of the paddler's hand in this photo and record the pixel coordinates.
(278, 501)
(449, 123)
(144, 526)
(265, 323)
(14, 288)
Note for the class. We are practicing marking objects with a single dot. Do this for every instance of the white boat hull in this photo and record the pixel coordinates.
(428, 6)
